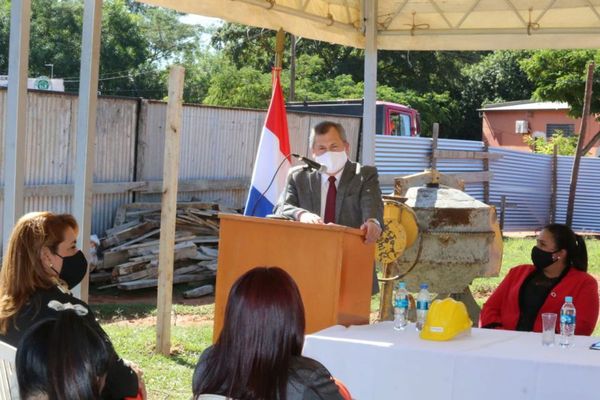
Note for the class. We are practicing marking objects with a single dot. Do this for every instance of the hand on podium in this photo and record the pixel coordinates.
(371, 230)
(310, 218)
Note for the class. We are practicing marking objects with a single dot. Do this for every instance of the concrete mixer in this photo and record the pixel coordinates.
(438, 234)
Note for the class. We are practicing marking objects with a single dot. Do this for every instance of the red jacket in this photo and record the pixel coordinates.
(503, 305)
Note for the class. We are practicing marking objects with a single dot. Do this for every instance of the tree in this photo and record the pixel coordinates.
(137, 43)
(497, 78)
(560, 75)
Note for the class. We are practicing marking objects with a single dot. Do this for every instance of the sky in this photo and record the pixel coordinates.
(193, 19)
(200, 20)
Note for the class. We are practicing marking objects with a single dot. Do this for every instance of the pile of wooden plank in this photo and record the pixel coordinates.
(128, 253)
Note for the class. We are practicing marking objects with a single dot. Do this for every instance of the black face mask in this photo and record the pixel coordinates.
(541, 259)
(73, 269)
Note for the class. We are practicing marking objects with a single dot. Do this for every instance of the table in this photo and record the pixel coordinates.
(376, 362)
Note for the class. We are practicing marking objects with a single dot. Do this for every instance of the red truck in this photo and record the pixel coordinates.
(392, 119)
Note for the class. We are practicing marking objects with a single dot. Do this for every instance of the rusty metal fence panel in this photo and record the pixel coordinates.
(219, 143)
(50, 156)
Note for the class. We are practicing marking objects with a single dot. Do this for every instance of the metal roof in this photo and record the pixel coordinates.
(526, 106)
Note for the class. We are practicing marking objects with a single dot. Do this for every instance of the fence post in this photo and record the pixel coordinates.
(168, 213)
(580, 142)
(554, 190)
(502, 212)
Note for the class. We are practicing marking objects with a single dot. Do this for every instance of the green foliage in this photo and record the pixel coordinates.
(137, 43)
(497, 78)
(560, 75)
(566, 145)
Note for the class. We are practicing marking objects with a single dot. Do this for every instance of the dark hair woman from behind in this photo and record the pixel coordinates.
(258, 353)
(62, 358)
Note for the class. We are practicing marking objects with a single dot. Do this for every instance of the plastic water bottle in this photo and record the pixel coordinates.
(567, 322)
(422, 305)
(400, 307)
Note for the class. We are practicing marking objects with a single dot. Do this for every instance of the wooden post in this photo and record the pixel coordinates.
(293, 68)
(502, 211)
(580, 142)
(554, 189)
(279, 48)
(486, 184)
(435, 177)
(169, 210)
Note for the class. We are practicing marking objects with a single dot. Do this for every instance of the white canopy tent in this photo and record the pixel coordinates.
(418, 24)
(369, 24)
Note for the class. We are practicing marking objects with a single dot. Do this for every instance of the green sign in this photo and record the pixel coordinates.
(42, 83)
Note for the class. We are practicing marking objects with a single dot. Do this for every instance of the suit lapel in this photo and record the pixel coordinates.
(315, 190)
(347, 176)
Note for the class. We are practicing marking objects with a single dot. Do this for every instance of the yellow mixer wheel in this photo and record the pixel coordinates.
(392, 242)
(401, 231)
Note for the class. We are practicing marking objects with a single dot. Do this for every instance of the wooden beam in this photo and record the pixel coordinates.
(466, 155)
(474, 177)
(199, 185)
(402, 184)
(486, 184)
(196, 185)
(554, 188)
(590, 144)
(587, 100)
(169, 209)
(434, 145)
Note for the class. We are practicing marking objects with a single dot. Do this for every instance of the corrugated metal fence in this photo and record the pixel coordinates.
(50, 154)
(524, 178)
(219, 144)
(218, 148)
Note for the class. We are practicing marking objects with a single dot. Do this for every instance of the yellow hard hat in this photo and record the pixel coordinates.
(445, 320)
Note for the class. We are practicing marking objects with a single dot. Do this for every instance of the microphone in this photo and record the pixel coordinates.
(311, 163)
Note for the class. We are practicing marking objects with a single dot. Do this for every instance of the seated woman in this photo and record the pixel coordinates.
(258, 353)
(41, 264)
(63, 358)
(558, 270)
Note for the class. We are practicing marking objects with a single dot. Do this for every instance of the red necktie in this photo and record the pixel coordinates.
(330, 202)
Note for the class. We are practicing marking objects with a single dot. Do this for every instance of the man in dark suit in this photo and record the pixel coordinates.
(346, 194)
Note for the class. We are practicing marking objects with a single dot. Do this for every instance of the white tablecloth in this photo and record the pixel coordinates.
(376, 362)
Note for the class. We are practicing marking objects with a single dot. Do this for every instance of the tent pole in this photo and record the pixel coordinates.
(86, 130)
(370, 93)
(16, 116)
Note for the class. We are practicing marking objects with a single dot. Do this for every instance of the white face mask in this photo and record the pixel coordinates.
(333, 160)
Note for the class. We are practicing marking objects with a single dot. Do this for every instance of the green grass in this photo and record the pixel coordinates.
(171, 377)
(165, 377)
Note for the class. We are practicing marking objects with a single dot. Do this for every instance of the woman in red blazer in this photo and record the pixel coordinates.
(558, 270)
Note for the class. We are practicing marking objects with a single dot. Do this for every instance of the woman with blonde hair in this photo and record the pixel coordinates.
(40, 266)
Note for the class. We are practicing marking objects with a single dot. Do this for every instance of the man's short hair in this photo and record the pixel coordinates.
(322, 128)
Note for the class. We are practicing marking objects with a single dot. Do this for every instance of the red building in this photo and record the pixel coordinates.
(506, 124)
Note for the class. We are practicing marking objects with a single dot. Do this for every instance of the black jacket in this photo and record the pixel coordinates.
(121, 381)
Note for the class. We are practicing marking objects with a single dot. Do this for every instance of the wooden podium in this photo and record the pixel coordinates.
(330, 263)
